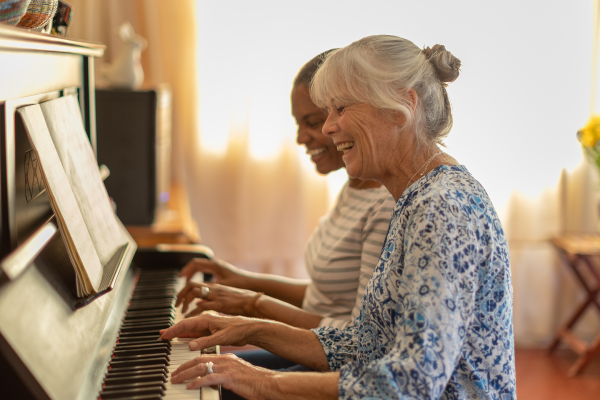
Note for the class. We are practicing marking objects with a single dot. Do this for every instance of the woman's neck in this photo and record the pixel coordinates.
(356, 183)
(413, 167)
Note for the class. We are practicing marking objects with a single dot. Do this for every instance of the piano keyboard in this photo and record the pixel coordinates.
(141, 366)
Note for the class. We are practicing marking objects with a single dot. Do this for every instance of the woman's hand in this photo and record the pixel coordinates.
(224, 273)
(220, 298)
(298, 345)
(229, 371)
(213, 330)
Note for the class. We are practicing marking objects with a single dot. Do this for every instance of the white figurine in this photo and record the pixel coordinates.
(126, 71)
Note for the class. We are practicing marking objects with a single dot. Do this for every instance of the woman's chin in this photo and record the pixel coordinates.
(351, 165)
(324, 169)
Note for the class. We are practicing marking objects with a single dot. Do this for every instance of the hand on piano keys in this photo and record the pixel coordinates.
(141, 365)
(222, 272)
(228, 370)
(223, 299)
(239, 376)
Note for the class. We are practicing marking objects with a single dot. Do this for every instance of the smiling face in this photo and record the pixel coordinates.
(367, 138)
(310, 118)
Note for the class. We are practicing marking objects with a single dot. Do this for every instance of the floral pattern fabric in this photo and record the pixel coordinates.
(436, 319)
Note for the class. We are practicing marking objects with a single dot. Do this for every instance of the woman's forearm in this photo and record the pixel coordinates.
(295, 344)
(271, 308)
(279, 287)
(303, 386)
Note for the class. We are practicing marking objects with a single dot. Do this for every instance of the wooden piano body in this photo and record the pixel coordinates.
(50, 346)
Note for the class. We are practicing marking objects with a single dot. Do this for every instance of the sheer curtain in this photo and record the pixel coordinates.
(522, 94)
(253, 208)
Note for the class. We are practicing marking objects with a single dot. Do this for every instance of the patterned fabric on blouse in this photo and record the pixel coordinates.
(436, 319)
(342, 252)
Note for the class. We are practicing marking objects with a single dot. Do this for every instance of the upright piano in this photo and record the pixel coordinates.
(54, 345)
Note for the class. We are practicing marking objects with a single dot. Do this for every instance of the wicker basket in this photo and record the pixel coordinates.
(11, 11)
(38, 14)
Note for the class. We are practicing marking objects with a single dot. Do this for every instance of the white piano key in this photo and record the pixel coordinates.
(180, 353)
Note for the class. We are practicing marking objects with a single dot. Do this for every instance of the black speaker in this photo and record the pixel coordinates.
(134, 141)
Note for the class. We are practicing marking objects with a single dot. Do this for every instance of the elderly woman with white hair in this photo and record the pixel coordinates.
(436, 317)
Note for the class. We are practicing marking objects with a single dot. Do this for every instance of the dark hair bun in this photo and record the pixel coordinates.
(445, 64)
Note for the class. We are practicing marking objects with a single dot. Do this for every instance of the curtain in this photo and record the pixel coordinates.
(253, 212)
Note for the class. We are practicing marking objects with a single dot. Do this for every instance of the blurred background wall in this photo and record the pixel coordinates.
(523, 92)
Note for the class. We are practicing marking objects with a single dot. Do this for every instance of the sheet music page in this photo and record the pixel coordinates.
(71, 221)
(63, 117)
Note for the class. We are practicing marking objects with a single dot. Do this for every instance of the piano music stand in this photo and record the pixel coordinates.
(577, 251)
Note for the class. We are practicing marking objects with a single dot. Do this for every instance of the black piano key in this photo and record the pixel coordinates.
(132, 346)
(141, 362)
(140, 339)
(122, 373)
(135, 302)
(134, 385)
(151, 305)
(146, 314)
(140, 357)
(151, 350)
(153, 294)
(157, 346)
(153, 333)
(144, 327)
(139, 368)
(149, 319)
(142, 321)
(156, 286)
(152, 313)
(118, 380)
(129, 393)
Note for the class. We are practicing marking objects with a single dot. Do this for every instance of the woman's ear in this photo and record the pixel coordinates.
(411, 96)
(411, 99)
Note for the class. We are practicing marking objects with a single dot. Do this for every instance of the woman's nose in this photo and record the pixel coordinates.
(302, 137)
(330, 126)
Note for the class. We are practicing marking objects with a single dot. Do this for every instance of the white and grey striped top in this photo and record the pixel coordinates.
(342, 252)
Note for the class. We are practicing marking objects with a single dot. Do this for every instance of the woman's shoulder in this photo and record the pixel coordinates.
(450, 182)
(451, 188)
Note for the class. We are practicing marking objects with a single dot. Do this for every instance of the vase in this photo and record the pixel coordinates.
(126, 71)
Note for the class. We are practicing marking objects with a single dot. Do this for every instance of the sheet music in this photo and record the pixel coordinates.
(63, 118)
(71, 221)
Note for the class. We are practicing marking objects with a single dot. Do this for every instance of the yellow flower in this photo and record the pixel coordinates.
(590, 133)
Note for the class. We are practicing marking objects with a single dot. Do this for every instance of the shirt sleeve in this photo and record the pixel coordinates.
(433, 288)
(339, 345)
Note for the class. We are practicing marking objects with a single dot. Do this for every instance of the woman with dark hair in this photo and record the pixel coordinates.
(436, 317)
(340, 254)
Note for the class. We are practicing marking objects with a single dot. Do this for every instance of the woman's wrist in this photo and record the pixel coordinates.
(250, 306)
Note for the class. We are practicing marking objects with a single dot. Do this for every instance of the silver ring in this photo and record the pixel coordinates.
(204, 292)
(209, 369)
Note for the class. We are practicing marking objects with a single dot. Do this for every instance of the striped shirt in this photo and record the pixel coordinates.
(342, 252)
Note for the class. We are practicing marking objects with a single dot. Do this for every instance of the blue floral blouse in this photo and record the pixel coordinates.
(436, 319)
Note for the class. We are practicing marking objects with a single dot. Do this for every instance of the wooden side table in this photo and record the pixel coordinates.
(577, 252)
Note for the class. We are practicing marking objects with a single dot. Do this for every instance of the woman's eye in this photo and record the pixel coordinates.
(314, 125)
(340, 110)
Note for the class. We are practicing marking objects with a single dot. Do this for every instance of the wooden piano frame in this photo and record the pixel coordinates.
(50, 348)
(40, 332)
